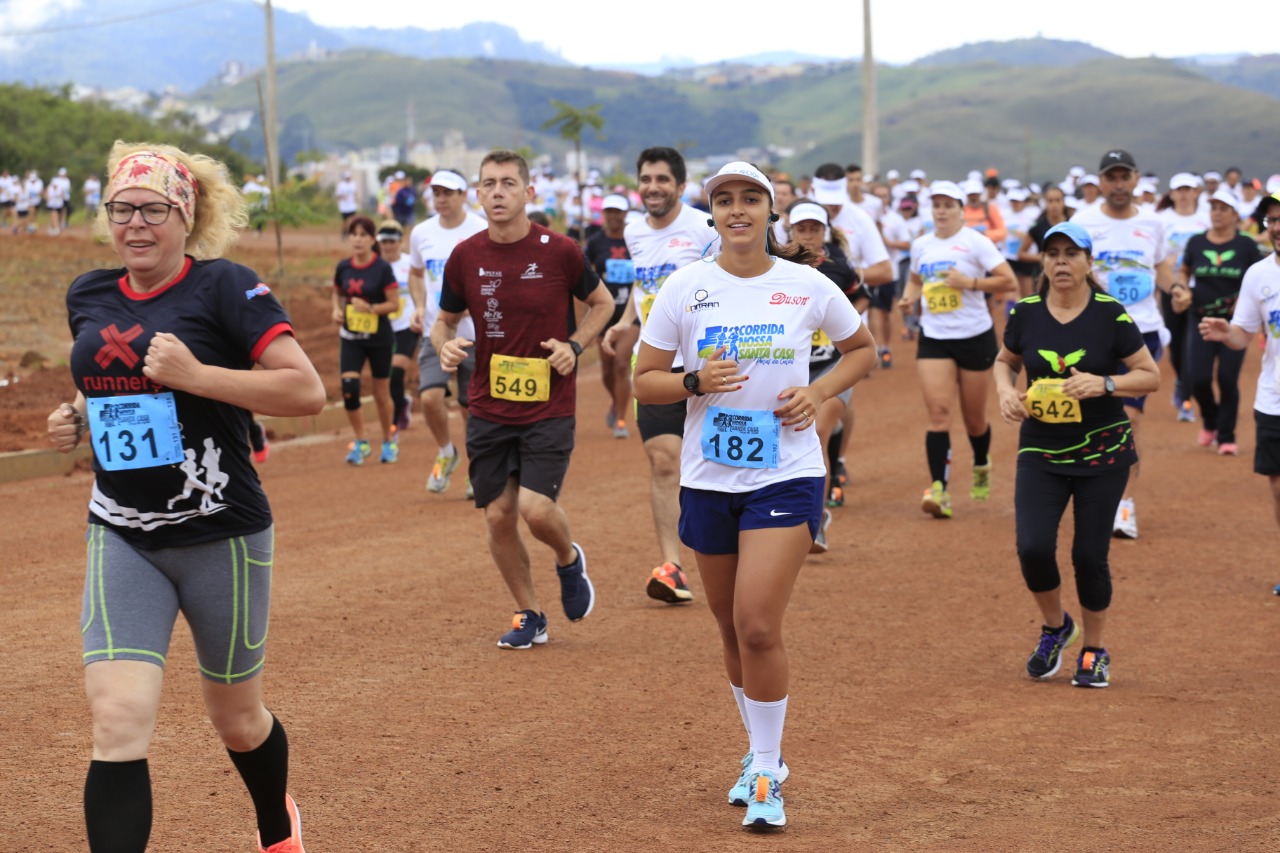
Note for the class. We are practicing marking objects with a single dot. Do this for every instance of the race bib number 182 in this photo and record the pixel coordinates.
(740, 438)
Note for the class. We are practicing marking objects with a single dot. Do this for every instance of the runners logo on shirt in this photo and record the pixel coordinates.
(1061, 363)
(677, 243)
(1219, 258)
(531, 272)
(700, 303)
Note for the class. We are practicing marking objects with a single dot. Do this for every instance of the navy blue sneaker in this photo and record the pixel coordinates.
(1046, 660)
(576, 592)
(527, 630)
(1093, 669)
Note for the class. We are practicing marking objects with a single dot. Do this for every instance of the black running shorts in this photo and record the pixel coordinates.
(536, 454)
(977, 353)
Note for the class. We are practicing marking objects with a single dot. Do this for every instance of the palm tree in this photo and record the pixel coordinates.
(571, 122)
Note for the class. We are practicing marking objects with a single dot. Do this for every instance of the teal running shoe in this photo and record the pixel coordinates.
(358, 452)
(764, 808)
(740, 793)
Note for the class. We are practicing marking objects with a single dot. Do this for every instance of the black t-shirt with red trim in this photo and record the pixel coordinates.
(171, 468)
(375, 283)
(519, 294)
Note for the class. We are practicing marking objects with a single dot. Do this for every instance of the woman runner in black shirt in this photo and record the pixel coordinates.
(1076, 442)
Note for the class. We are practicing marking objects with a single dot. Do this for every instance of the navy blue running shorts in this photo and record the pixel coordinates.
(1152, 340)
(711, 521)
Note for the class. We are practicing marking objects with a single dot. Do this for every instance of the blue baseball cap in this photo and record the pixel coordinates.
(1074, 233)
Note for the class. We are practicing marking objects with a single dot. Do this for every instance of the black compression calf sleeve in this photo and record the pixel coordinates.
(937, 447)
(265, 772)
(981, 445)
(117, 806)
(397, 392)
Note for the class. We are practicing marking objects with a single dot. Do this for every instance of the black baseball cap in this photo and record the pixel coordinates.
(1116, 157)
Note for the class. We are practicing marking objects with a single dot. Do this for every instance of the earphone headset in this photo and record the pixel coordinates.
(773, 217)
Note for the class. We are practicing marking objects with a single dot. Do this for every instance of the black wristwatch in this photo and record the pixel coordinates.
(1109, 385)
(576, 347)
(691, 383)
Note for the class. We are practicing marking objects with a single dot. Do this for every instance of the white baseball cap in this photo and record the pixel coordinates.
(892, 175)
(615, 202)
(1017, 194)
(449, 180)
(739, 170)
(1212, 176)
(950, 190)
(971, 187)
(808, 211)
(1089, 180)
(917, 174)
(1225, 196)
(1183, 180)
(830, 192)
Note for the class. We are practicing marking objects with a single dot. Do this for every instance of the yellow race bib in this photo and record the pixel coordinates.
(522, 380)
(940, 299)
(399, 312)
(820, 339)
(361, 322)
(1047, 402)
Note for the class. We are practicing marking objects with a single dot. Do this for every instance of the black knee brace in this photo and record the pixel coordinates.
(351, 393)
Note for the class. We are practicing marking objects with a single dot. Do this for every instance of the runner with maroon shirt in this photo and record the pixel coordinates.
(518, 280)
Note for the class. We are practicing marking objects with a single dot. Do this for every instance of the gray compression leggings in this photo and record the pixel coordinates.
(132, 598)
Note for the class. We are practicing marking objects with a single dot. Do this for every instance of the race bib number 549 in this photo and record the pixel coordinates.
(521, 380)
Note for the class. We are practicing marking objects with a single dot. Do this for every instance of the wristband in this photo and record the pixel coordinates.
(576, 347)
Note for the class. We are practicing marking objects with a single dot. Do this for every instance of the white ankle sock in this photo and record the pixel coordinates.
(765, 721)
(740, 696)
(448, 450)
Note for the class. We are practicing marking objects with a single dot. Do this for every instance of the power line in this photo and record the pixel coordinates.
(62, 28)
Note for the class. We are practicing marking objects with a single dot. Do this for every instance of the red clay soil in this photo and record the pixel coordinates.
(912, 724)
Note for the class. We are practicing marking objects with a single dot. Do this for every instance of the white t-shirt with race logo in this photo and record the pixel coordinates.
(404, 314)
(659, 253)
(1179, 229)
(866, 248)
(58, 192)
(430, 245)
(1258, 308)
(346, 194)
(948, 313)
(896, 229)
(767, 324)
(1126, 253)
(1018, 221)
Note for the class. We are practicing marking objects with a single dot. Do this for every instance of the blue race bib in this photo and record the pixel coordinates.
(1131, 287)
(137, 431)
(619, 271)
(740, 438)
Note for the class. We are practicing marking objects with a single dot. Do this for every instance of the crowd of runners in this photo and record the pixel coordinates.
(734, 315)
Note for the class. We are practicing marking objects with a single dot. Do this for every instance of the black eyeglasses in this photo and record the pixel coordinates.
(153, 212)
(1268, 221)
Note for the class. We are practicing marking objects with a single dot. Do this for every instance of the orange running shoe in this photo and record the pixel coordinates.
(669, 584)
(292, 844)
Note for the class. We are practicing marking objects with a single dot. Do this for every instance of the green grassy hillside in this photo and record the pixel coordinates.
(947, 119)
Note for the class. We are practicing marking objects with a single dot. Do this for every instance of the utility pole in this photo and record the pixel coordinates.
(870, 112)
(269, 132)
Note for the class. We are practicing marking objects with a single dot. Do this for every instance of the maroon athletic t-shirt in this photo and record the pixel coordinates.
(519, 295)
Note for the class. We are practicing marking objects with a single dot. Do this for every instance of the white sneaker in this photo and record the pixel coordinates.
(1126, 525)
(819, 545)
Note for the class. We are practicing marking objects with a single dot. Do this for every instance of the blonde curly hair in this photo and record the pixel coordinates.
(221, 210)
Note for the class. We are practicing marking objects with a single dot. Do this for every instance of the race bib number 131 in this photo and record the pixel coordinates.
(137, 431)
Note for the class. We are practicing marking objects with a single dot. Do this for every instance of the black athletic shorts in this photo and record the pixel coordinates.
(536, 454)
(407, 343)
(976, 353)
(1266, 456)
(882, 296)
(660, 419)
(352, 356)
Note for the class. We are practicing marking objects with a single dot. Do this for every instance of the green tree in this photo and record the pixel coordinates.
(572, 122)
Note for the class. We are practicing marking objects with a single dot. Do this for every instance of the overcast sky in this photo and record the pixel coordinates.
(588, 33)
